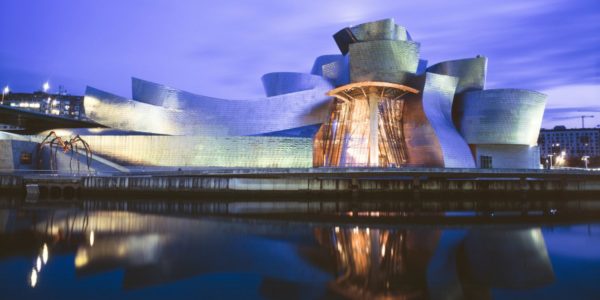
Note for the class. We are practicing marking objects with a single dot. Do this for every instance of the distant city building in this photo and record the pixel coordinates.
(62, 105)
(574, 143)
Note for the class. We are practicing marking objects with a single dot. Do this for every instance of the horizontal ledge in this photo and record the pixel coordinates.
(370, 84)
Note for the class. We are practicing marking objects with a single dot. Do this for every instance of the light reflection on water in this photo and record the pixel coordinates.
(72, 251)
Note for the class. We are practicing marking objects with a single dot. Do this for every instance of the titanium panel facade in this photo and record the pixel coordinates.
(317, 68)
(384, 29)
(204, 151)
(503, 116)
(438, 95)
(471, 72)
(280, 83)
(188, 114)
(337, 72)
(508, 156)
(124, 114)
(383, 60)
(165, 96)
(343, 39)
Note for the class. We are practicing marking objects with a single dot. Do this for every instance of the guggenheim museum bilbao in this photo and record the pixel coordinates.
(376, 104)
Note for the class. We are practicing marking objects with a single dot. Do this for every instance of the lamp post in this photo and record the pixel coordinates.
(550, 158)
(5, 91)
(585, 159)
(561, 159)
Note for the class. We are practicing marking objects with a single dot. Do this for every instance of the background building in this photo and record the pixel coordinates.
(567, 147)
(60, 104)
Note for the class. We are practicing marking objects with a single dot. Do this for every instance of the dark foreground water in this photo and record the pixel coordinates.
(95, 251)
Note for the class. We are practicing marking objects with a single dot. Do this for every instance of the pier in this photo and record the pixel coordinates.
(354, 182)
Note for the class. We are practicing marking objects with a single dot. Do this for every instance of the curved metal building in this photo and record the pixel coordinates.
(184, 113)
(438, 95)
(385, 29)
(383, 60)
(165, 96)
(503, 116)
(375, 104)
(280, 83)
(471, 72)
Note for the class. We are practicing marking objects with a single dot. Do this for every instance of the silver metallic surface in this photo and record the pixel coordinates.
(509, 156)
(317, 68)
(338, 72)
(384, 29)
(383, 60)
(124, 114)
(162, 95)
(471, 72)
(183, 113)
(280, 83)
(204, 151)
(438, 95)
(503, 116)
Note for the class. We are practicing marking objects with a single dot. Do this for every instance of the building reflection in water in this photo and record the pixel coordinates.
(409, 262)
(380, 264)
(429, 263)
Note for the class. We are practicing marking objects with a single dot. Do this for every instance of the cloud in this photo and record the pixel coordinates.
(566, 105)
(222, 48)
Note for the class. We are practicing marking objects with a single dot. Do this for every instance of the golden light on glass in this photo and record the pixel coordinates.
(33, 278)
(38, 264)
(45, 254)
(81, 258)
(92, 238)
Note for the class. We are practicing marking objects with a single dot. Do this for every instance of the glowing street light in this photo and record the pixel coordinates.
(585, 159)
(46, 86)
(5, 91)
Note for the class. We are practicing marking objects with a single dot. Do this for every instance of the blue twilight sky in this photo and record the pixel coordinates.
(221, 48)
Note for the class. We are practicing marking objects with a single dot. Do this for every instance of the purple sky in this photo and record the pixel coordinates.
(221, 48)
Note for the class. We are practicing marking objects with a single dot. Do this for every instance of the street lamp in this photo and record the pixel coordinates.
(5, 91)
(585, 159)
(46, 86)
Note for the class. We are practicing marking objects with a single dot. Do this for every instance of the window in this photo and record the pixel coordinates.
(485, 162)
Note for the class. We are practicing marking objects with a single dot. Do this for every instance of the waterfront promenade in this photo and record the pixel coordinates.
(312, 181)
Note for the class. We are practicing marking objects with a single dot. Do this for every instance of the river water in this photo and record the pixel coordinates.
(113, 251)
